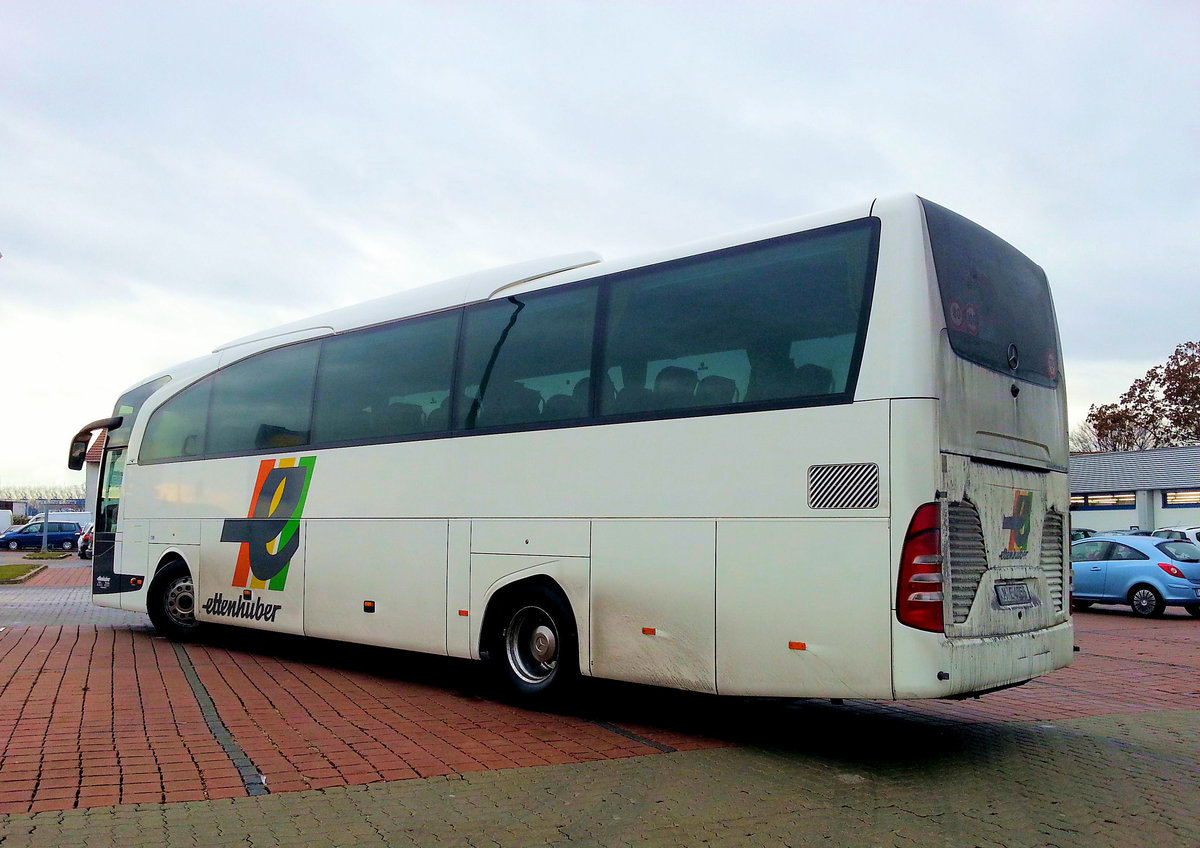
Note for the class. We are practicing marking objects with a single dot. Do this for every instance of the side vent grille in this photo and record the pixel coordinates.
(853, 486)
(968, 558)
(1052, 557)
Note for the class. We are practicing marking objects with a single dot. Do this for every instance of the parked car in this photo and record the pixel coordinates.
(60, 534)
(84, 542)
(1146, 572)
(1078, 533)
(1189, 534)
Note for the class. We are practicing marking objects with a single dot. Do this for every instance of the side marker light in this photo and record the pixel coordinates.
(649, 631)
(464, 613)
(797, 646)
(368, 606)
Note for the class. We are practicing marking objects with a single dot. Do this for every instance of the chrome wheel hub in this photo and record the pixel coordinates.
(180, 602)
(531, 645)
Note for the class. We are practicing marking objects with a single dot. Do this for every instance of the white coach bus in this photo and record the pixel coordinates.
(825, 458)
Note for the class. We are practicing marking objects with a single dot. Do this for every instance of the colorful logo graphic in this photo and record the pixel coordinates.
(270, 533)
(1017, 525)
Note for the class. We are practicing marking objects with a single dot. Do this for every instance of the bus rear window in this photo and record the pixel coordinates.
(996, 300)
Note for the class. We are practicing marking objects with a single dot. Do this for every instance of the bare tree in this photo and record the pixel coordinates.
(1083, 438)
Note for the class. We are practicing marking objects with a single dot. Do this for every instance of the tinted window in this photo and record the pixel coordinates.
(773, 321)
(176, 429)
(264, 402)
(526, 359)
(1088, 551)
(386, 382)
(127, 407)
(993, 296)
(1182, 551)
(1124, 552)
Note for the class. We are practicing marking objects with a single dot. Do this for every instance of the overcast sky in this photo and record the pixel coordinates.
(176, 175)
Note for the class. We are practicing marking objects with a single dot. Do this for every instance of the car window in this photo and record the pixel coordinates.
(1088, 551)
(1124, 552)
(1180, 550)
(32, 528)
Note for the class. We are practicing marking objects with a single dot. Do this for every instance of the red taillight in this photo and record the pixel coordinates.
(1170, 569)
(919, 593)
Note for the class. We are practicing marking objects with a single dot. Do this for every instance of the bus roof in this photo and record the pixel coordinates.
(509, 279)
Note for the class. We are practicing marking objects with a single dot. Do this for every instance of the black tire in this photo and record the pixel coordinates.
(1146, 602)
(85, 553)
(14, 545)
(1193, 610)
(67, 545)
(1080, 606)
(171, 603)
(534, 649)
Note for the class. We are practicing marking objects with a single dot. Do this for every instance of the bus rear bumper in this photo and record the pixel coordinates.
(928, 665)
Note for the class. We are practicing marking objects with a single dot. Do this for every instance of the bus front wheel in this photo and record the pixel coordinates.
(172, 603)
(535, 652)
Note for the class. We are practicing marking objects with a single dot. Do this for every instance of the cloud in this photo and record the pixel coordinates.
(224, 166)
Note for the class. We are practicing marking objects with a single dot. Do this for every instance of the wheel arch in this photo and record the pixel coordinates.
(503, 595)
(169, 558)
(1134, 585)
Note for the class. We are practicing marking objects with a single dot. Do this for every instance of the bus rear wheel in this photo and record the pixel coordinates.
(172, 603)
(535, 651)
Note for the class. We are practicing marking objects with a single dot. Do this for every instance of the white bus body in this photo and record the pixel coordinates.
(748, 540)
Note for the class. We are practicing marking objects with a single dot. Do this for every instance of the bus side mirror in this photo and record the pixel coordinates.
(78, 453)
(79, 444)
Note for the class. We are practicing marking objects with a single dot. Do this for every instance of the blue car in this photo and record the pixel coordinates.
(60, 535)
(1146, 572)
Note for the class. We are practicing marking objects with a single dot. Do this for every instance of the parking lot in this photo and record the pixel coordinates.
(109, 734)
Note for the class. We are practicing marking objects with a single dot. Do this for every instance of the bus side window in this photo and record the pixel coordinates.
(521, 352)
(176, 429)
(264, 401)
(775, 321)
(378, 383)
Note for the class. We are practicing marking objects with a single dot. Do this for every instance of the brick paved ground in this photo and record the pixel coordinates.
(103, 713)
(59, 575)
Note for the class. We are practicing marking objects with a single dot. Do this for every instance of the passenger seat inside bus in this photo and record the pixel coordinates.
(771, 381)
(558, 407)
(674, 387)
(582, 395)
(400, 419)
(509, 402)
(715, 390)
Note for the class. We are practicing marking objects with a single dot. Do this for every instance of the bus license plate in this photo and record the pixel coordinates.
(1013, 594)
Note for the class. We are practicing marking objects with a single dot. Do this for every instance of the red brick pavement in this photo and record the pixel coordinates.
(97, 716)
(62, 576)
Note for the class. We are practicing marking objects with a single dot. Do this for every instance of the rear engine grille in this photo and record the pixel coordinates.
(968, 558)
(1052, 557)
